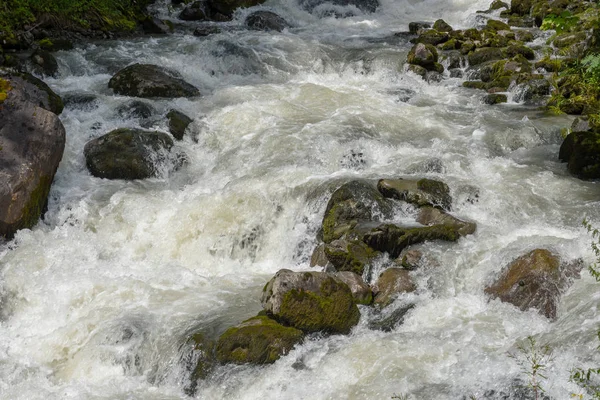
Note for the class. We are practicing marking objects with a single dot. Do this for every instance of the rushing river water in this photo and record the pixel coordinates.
(97, 300)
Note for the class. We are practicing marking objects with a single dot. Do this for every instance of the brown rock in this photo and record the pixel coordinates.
(391, 283)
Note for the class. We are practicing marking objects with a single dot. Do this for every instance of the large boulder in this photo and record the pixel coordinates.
(422, 192)
(581, 150)
(521, 7)
(310, 301)
(485, 54)
(146, 80)
(534, 280)
(266, 21)
(258, 340)
(353, 202)
(130, 154)
(32, 141)
(391, 283)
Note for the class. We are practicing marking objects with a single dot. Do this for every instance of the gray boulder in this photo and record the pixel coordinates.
(32, 141)
(266, 21)
(423, 192)
(145, 80)
(130, 154)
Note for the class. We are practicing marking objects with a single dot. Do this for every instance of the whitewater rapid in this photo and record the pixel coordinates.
(97, 300)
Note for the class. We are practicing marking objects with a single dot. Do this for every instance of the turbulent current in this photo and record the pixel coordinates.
(98, 299)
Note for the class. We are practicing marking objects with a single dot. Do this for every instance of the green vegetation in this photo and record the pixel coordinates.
(4, 89)
(119, 15)
(594, 268)
(564, 22)
(533, 360)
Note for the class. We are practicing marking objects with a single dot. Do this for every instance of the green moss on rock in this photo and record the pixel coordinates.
(258, 340)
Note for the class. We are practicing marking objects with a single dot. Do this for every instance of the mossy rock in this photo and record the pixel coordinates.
(524, 36)
(467, 46)
(349, 255)
(569, 39)
(482, 55)
(521, 22)
(353, 202)
(514, 50)
(432, 37)
(178, 123)
(550, 65)
(521, 7)
(258, 340)
(495, 98)
(451, 44)
(424, 55)
(128, 154)
(150, 81)
(311, 302)
(391, 283)
(417, 27)
(498, 4)
(496, 25)
(442, 26)
(423, 192)
(474, 84)
(198, 357)
(534, 280)
(581, 150)
(417, 70)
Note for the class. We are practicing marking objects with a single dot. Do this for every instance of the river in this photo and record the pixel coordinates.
(98, 299)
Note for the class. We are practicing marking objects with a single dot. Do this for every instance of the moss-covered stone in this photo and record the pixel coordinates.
(514, 50)
(495, 98)
(442, 26)
(145, 80)
(498, 4)
(258, 340)
(53, 102)
(496, 25)
(424, 55)
(569, 39)
(353, 202)
(482, 55)
(349, 255)
(417, 27)
(361, 292)
(417, 70)
(129, 154)
(311, 302)
(423, 192)
(581, 150)
(521, 7)
(474, 84)
(432, 37)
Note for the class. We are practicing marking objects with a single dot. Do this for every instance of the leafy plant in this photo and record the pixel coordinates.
(564, 22)
(533, 360)
(594, 268)
(401, 396)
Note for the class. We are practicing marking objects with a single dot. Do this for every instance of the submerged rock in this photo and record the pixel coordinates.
(266, 21)
(145, 80)
(32, 142)
(581, 152)
(310, 301)
(43, 63)
(129, 154)
(198, 358)
(258, 340)
(534, 280)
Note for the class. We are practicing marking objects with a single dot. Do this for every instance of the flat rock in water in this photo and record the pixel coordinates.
(145, 80)
(423, 192)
